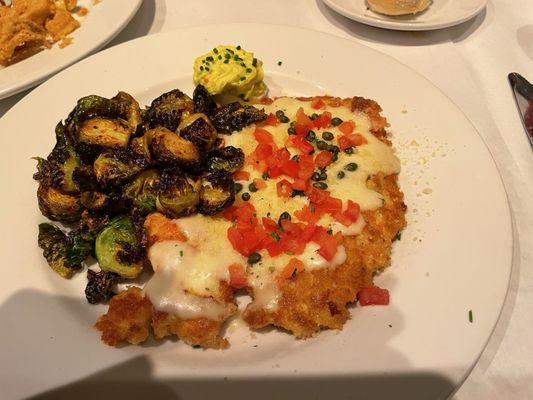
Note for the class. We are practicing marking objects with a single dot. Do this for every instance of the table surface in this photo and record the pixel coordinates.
(470, 63)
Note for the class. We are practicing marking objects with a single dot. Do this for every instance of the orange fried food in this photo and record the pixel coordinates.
(160, 228)
(317, 300)
(128, 318)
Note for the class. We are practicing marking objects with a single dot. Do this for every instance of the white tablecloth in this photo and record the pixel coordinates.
(470, 64)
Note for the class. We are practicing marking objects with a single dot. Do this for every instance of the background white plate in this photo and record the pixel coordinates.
(440, 14)
(103, 22)
(454, 256)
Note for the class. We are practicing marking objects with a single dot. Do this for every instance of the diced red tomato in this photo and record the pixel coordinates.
(293, 265)
(347, 127)
(237, 276)
(303, 123)
(301, 144)
(308, 231)
(307, 167)
(317, 196)
(331, 205)
(352, 210)
(373, 295)
(308, 214)
(344, 142)
(323, 159)
(300, 184)
(260, 184)
(290, 168)
(263, 151)
(356, 139)
(271, 120)
(263, 136)
(284, 188)
(274, 249)
(343, 219)
(241, 176)
(323, 120)
(317, 103)
(229, 213)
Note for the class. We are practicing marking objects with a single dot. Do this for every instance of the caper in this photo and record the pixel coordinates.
(323, 176)
(320, 185)
(336, 121)
(280, 114)
(349, 150)
(334, 149)
(315, 176)
(238, 187)
(313, 116)
(252, 188)
(321, 145)
(265, 176)
(254, 258)
(327, 135)
(350, 166)
(284, 215)
(245, 196)
(341, 174)
(291, 131)
(311, 135)
(284, 119)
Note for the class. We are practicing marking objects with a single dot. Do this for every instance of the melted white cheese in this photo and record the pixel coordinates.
(187, 274)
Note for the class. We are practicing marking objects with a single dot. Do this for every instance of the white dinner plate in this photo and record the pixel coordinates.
(453, 257)
(103, 22)
(440, 14)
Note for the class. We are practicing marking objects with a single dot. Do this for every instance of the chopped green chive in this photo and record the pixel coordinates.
(470, 316)
(279, 63)
(275, 236)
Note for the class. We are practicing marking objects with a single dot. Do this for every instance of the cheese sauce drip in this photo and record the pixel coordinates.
(187, 274)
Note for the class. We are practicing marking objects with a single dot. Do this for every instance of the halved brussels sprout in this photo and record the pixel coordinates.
(142, 191)
(88, 107)
(228, 158)
(84, 178)
(169, 149)
(58, 206)
(54, 244)
(167, 109)
(117, 166)
(141, 145)
(203, 101)
(178, 195)
(198, 129)
(57, 170)
(217, 193)
(128, 109)
(235, 116)
(93, 200)
(117, 248)
(104, 132)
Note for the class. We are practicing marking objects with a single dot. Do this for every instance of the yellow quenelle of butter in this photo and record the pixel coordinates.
(230, 70)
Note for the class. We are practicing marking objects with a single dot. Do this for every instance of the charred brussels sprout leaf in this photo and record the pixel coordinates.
(235, 116)
(142, 191)
(228, 158)
(80, 245)
(217, 193)
(89, 107)
(128, 109)
(57, 170)
(203, 101)
(198, 129)
(178, 195)
(58, 206)
(170, 149)
(99, 286)
(167, 110)
(84, 178)
(93, 200)
(117, 249)
(54, 244)
(117, 166)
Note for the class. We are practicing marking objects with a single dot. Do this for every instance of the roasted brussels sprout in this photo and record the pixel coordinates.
(235, 116)
(198, 129)
(54, 244)
(93, 200)
(178, 194)
(228, 158)
(89, 107)
(117, 166)
(217, 193)
(99, 286)
(84, 178)
(56, 171)
(104, 132)
(170, 149)
(203, 101)
(117, 249)
(58, 206)
(167, 109)
(141, 193)
(128, 109)
(141, 145)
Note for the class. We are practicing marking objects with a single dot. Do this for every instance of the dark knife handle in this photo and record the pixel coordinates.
(521, 85)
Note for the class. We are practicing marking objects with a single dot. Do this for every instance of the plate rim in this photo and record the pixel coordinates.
(10, 89)
(509, 218)
(402, 26)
